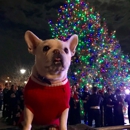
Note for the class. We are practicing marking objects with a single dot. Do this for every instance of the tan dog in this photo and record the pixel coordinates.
(52, 61)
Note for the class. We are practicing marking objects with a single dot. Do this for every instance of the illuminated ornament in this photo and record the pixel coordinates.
(75, 73)
(127, 91)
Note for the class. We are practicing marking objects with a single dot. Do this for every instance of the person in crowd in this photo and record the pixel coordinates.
(1, 97)
(101, 92)
(118, 108)
(109, 105)
(13, 102)
(127, 99)
(20, 97)
(78, 90)
(106, 92)
(17, 115)
(74, 112)
(5, 100)
(85, 97)
(94, 104)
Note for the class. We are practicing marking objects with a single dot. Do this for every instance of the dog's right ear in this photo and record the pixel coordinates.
(32, 41)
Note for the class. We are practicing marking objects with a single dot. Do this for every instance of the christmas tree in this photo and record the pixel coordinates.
(99, 60)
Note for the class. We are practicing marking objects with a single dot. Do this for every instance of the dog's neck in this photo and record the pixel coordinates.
(35, 76)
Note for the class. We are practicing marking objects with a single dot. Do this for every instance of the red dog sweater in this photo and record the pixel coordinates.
(46, 103)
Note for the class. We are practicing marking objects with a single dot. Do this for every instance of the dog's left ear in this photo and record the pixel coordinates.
(73, 42)
(32, 41)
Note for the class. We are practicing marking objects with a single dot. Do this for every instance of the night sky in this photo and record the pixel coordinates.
(17, 16)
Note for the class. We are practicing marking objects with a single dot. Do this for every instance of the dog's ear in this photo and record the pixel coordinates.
(73, 42)
(32, 41)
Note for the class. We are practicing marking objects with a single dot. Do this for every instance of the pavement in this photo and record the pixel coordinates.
(4, 126)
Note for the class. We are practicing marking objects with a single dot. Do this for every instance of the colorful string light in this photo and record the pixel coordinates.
(99, 60)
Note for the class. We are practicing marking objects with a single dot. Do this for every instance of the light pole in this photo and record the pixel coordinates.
(22, 71)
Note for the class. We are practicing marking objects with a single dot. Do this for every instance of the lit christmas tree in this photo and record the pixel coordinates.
(99, 60)
(97, 50)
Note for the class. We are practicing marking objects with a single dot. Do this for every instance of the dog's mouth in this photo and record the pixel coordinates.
(58, 61)
(57, 64)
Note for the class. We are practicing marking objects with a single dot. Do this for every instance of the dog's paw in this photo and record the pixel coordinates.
(53, 128)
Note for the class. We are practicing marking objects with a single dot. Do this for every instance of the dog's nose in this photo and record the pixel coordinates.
(56, 51)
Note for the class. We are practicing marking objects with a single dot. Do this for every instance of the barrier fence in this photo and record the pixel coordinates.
(123, 127)
(85, 127)
(78, 127)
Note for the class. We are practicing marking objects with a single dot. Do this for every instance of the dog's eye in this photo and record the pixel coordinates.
(46, 48)
(66, 50)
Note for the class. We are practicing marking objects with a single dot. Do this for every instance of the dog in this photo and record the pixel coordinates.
(47, 92)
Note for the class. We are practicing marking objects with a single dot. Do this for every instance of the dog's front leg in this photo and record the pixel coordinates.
(63, 119)
(28, 117)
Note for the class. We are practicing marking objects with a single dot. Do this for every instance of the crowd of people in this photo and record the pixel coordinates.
(105, 108)
(12, 103)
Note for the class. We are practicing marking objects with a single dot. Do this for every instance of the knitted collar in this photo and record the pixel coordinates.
(44, 79)
(47, 81)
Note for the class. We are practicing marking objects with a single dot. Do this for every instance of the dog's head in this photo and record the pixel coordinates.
(53, 56)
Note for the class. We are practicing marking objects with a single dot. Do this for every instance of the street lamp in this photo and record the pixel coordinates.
(22, 71)
(22, 77)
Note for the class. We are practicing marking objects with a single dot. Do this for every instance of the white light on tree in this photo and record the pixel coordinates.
(22, 71)
(75, 73)
(127, 91)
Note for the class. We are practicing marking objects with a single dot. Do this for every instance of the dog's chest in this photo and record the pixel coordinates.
(44, 101)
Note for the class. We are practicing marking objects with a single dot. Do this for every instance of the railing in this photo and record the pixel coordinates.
(123, 127)
(85, 127)
(78, 127)
(9, 128)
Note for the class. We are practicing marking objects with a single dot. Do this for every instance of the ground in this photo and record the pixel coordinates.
(4, 126)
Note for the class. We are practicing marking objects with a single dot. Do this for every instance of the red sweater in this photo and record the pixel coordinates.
(46, 103)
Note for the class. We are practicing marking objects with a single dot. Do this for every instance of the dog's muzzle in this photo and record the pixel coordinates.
(57, 58)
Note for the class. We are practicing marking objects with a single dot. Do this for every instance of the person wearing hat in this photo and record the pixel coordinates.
(118, 108)
(94, 104)
(109, 105)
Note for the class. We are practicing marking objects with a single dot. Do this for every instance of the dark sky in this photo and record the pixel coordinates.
(17, 16)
